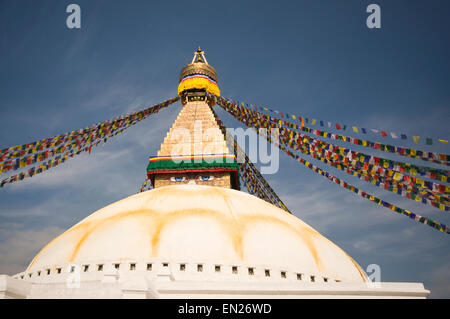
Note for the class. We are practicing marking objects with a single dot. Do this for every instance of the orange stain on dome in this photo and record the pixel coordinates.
(96, 224)
(232, 230)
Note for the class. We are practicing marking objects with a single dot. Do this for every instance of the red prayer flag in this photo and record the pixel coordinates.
(383, 133)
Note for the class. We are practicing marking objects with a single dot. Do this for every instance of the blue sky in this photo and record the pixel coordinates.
(312, 58)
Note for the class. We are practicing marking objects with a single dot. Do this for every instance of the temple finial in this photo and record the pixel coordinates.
(199, 56)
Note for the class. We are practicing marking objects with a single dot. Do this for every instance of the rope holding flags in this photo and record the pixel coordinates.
(355, 129)
(384, 167)
(386, 178)
(443, 159)
(74, 138)
(237, 112)
(407, 152)
(68, 145)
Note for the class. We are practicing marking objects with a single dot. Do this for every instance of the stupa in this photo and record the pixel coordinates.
(195, 234)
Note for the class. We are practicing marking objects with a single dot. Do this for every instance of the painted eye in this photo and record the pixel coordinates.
(206, 178)
(178, 178)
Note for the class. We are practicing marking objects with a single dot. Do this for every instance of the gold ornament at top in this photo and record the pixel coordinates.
(199, 65)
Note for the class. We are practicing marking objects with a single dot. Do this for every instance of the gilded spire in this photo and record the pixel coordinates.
(199, 56)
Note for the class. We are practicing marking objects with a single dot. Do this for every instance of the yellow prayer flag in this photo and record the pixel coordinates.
(416, 139)
(313, 121)
(364, 142)
(443, 141)
(293, 116)
(355, 129)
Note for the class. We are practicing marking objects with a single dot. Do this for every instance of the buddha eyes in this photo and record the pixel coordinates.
(203, 178)
(206, 178)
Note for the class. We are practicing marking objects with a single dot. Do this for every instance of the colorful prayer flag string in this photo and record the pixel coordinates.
(21, 156)
(145, 186)
(53, 162)
(435, 198)
(432, 173)
(76, 149)
(229, 107)
(433, 157)
(35, 152)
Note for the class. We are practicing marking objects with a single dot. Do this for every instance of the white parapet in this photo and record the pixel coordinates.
(11, 288)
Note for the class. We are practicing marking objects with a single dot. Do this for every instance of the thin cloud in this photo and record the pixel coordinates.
(19, 247)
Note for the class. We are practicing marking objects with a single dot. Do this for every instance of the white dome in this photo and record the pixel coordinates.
(199, 224)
